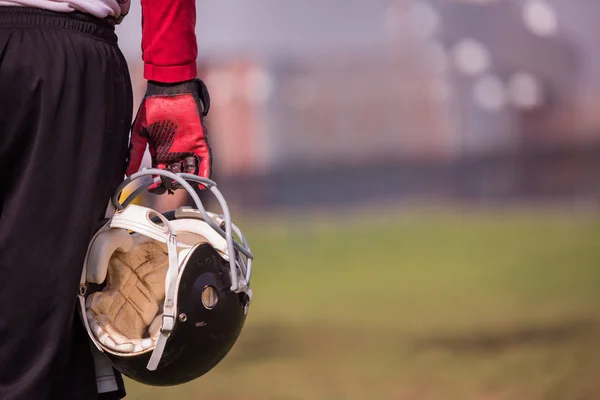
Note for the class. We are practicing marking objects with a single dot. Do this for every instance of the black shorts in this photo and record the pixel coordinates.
(65, 112)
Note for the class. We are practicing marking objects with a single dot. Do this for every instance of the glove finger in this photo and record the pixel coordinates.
(166, 184)
(170, 184)
(204, 168)
(138, 143)
(190, 165)
(205, 164)
(158, 187)
(137, 148)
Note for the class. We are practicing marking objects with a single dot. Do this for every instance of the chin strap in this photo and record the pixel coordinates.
(169, 309)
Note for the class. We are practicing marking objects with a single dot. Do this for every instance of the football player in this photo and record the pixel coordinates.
(66, 108)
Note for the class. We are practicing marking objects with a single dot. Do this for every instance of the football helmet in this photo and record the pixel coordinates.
(165, 295)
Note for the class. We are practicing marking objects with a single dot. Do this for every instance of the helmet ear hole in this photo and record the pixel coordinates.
(157, 219)
(210, 297)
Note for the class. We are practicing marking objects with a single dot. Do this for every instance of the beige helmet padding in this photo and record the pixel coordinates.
(125, 317)
(121, 314)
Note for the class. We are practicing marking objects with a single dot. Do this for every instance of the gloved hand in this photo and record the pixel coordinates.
(170, 122)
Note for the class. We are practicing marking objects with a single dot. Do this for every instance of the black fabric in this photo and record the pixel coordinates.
(65, 113)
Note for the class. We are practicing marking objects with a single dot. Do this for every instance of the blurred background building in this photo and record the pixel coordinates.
(323, 102)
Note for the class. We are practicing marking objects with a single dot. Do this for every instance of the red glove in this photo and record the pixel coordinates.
(170, 122)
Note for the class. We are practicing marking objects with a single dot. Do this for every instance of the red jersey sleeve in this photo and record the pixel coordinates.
(169, 47)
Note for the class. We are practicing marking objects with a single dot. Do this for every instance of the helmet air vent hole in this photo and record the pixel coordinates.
(210, 297)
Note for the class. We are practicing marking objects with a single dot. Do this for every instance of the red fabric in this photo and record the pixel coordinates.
(169, 47)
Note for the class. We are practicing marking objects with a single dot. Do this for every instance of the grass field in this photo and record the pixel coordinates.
(429, 305)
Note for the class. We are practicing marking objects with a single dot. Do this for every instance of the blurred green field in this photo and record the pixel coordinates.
(492, 304)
